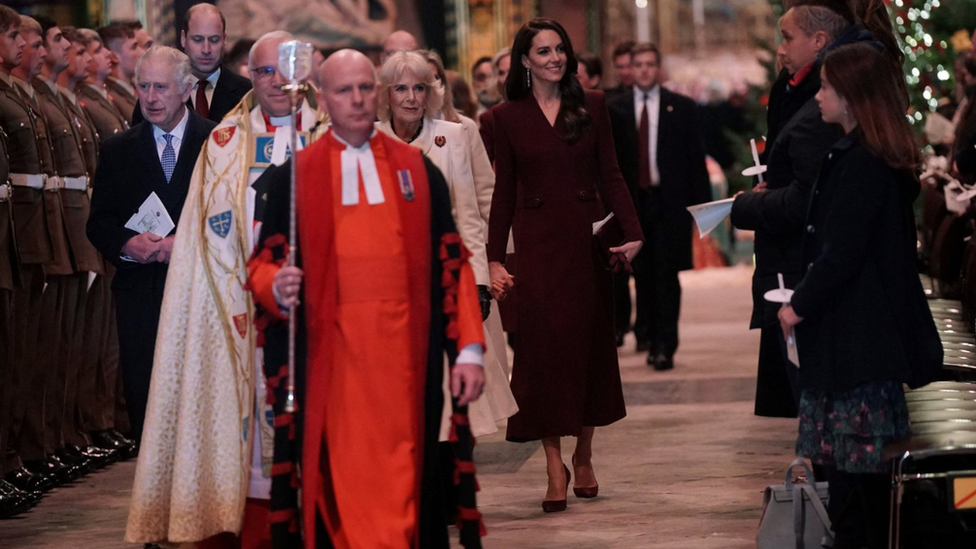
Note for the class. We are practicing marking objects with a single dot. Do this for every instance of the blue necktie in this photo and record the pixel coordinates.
(169, 157)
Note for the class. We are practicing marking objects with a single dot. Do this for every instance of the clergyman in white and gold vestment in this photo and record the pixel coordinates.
(207, 451)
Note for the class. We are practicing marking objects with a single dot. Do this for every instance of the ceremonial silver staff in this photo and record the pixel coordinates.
(294, 64)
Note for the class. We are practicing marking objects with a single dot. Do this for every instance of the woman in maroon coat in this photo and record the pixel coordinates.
(554, 161)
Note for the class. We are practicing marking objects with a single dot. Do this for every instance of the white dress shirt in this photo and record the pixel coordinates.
(650, 100)
(177, 134)
(212, 80)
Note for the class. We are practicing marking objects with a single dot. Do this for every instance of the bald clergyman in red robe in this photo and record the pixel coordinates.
(385, 291)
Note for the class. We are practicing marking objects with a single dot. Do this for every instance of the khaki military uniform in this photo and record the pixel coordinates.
(124, 97)
(31, 161)
(9, 278)
(64, 299)
(99, 379)
(104, 112)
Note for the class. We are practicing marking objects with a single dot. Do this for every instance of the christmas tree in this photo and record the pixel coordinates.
(932, 33)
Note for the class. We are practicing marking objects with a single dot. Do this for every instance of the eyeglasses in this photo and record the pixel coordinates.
(264, 73)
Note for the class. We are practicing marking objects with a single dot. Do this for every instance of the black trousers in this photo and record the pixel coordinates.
(137, 312)
(6, 371)
(859, 509)
(658, 292)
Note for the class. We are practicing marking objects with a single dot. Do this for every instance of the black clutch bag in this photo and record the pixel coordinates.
(607, 233)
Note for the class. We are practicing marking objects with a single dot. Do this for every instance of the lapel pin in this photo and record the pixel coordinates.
(440, 140)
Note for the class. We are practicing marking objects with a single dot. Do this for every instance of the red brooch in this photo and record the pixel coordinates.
(440, 140)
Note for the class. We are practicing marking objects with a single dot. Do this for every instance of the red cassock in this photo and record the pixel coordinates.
(369, 273)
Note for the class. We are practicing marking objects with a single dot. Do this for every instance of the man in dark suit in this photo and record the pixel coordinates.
(215, 92)
(662, 159)
(158, 156)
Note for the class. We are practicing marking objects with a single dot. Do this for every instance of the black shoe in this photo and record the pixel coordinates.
(33, 497)
(69, 473)
(24, 480)
(100, 456)
(69, 456)
(54, 470)
(660, 362)
(105, 440)
(128, 448)
(13, 501)
(643, 345)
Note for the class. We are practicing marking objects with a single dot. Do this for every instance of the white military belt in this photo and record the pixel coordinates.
(75, 183)
(31, 180)
(53, 183)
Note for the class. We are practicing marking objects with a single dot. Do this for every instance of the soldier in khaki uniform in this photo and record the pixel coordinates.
(92, 93)
(74, 149)
(12, 499)
(98, 370)
(121, 39)
(31, 163)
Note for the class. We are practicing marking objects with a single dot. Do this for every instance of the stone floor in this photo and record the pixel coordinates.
(684, 470)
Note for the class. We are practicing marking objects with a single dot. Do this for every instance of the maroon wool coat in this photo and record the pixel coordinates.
(549, 192)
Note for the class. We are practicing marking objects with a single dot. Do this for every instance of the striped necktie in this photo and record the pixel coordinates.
(168, 159)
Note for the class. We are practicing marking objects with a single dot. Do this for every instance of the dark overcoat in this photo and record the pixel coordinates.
(865, 314)
(548, 191)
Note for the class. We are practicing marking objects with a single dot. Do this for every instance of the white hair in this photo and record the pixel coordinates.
(182, 73)
(403, 62)
(278, 36)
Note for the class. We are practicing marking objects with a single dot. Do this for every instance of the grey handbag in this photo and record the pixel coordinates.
(794, 514)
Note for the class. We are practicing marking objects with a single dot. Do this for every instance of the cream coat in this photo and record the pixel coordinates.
(448, 146)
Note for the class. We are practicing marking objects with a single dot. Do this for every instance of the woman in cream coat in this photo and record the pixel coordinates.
(409, 97)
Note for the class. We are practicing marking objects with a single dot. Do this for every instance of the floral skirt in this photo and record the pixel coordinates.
(848, 430)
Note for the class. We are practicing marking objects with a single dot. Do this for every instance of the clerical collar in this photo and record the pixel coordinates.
(351, 146)
(272, 122)
(356, 163)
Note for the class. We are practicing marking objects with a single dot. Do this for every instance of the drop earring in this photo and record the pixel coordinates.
(528, 78)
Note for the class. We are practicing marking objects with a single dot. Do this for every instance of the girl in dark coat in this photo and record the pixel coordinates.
(863, 326)
(554, 160)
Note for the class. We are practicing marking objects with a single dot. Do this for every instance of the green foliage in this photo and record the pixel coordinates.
(926, 29)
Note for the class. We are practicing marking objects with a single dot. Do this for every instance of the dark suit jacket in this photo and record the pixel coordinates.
(228, 92)
(128, 171)
(680, 162)
(865, 315)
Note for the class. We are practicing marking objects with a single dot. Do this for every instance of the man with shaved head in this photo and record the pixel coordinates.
(205, 300)
(400, 40)
(385, 294)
